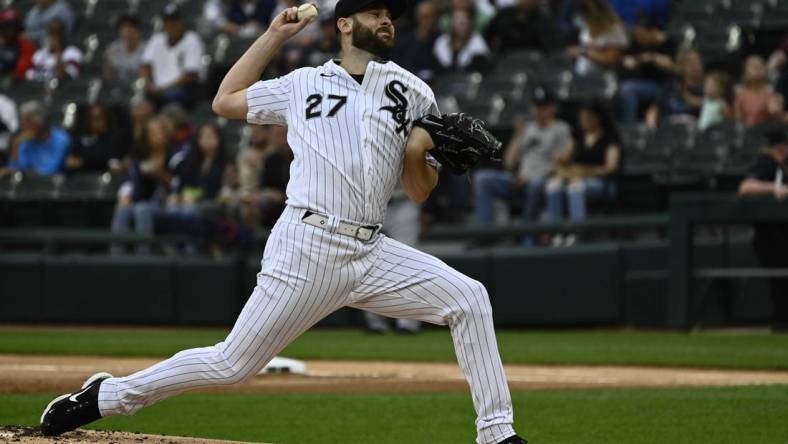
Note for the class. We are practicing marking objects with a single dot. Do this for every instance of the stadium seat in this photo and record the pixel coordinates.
(695, 11)
(748, 13)
(509, 84)
(31, 187)
(84, 186)
(710, 152)
(594, 86)
(462, 86)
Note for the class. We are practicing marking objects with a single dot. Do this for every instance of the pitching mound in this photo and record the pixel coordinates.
(30, 435)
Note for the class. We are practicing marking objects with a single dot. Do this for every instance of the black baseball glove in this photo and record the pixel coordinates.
(461, 141)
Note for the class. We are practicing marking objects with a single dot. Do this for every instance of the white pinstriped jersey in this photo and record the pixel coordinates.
(348, 140)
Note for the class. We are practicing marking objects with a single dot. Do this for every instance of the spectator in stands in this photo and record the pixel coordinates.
(151, 176)
(603, 38)
(528, 161)
(413, 49)
(56, 60)
(43, 13)
(39, 147)
(140, 110)
(461, 49)
(325, 48)
(631, 11)
(522, 26)
(16, 51)
(646, 70)
(274, 175)
(123, 57)
(685, 94)
(179, 126)
(199, 177)
(172, 60)
(716, 107)
(249, 167)
(480, 12)
(100, 146)
(192, 205)
(9, 125)
(767, 178)
(244, 18)
(756, 101)
(586, 170)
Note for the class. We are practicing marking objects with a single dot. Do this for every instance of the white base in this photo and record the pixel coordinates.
(284, 365)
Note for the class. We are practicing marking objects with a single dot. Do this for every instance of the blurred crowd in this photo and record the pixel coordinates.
(179, 174)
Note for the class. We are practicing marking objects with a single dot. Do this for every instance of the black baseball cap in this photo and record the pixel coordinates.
(541, 95)
(346, 8)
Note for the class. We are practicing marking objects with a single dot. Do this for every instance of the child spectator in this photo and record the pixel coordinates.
(756, 101)
(603, 38)
(461, 49)
(587, 168)
(716, 101)
(56, 60)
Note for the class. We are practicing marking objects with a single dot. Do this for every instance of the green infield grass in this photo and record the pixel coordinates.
(712, 415)
(590, 347)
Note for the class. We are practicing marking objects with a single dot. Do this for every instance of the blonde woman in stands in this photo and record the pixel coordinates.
(603, 38)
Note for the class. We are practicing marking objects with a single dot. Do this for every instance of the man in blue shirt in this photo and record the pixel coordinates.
(44, 147)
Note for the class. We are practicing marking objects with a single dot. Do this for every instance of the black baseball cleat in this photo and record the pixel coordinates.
(67, 412)
(513, 440)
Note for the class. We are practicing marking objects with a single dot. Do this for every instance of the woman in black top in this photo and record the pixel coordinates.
(771, 239)
(199, 176)
(150, 178)
(585, 169)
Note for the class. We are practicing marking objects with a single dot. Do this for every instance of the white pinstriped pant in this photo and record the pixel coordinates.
(307, 273)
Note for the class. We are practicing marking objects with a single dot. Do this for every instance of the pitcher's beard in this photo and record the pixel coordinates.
(364, 38)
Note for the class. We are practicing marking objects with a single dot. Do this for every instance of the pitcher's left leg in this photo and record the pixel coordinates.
(407, 283)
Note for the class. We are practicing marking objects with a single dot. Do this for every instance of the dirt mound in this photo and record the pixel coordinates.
(31, 435)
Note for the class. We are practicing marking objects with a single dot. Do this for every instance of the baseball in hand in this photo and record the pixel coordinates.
(307, 10)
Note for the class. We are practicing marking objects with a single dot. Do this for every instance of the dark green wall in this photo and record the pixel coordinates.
(600, 284)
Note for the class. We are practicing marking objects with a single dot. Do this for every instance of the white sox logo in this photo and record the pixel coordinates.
(395, 91)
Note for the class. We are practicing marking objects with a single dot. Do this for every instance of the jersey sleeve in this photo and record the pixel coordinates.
(268, 101)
